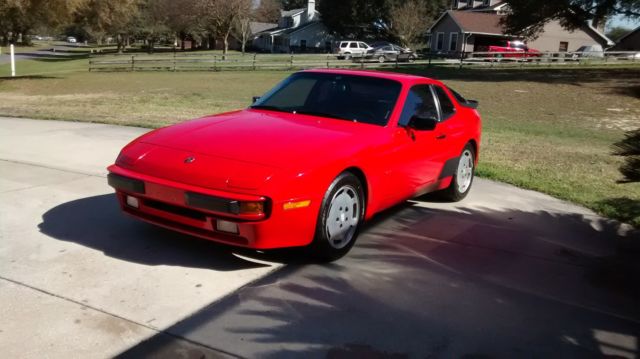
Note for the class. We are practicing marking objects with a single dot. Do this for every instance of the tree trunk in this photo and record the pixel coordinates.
(120, 41)
(226, 44)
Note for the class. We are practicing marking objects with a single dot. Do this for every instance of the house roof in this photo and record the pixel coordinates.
(628, 34)
(286, 13)
(257, 27)
(477, 22)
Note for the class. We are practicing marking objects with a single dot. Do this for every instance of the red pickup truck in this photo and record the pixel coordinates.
(509, 49)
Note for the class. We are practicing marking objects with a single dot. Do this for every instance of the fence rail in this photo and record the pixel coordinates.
(217, 62)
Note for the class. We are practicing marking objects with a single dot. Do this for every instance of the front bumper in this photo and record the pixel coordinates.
(195, 211)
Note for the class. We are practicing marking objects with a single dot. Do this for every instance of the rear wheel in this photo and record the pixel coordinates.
(381, 59)
(463, 178)
(347, 56)
(339, 220)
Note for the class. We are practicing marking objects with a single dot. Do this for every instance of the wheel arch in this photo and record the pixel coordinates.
(362, 177)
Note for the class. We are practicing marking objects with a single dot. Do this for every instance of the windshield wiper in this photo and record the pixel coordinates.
(267, 107)
(325, 114)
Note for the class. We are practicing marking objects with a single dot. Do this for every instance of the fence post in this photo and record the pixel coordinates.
(461, 59)
(133, 62)
(396, 62)
(13, 60)
(362, 64)
(291, 63)
(429, 56)
(254, 61)
(174, 59)
(215, 64)
(328, 61)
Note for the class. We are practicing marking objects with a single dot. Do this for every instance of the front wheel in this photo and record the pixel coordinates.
(463, 178)
(339, 220)
(381, 59)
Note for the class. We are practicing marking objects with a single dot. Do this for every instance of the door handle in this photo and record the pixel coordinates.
(441, 136)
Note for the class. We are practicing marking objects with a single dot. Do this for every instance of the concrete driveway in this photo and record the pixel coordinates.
(505, 273)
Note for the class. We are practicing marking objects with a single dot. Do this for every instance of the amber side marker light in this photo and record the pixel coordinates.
(295, 205)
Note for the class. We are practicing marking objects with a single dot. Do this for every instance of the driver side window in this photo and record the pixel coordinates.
(419, 102)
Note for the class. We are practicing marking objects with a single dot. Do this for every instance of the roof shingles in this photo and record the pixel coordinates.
(478, 22)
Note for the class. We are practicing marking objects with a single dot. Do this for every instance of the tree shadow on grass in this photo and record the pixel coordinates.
(426, 282)
(26, 77)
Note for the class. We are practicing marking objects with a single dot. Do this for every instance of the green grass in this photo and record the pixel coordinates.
(549, 130)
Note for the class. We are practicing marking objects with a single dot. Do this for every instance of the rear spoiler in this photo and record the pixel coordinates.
(471, 104)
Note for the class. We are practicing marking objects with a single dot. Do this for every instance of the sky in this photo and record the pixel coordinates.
(623, 22)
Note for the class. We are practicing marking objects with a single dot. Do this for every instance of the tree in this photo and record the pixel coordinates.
(615, 33)
(242, 26)
(19, 17)
(294, 4)
(268, 11)
(629, 148)
(409, 20)
(528, 17)
(218, 17)
(356, 18)
(109, 17)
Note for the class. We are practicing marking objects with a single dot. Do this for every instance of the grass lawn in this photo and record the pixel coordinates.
(549, 130)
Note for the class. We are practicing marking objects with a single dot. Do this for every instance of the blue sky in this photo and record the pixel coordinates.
(624, 22)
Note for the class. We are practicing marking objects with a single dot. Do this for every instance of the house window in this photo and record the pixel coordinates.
(440, 41)
(453, 41)
(564, 46)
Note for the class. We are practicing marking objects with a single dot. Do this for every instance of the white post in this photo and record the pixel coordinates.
(13, 62)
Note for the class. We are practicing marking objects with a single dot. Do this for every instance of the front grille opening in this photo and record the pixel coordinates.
(180, 211)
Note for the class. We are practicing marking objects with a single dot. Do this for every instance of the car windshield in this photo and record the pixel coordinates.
(346, 97)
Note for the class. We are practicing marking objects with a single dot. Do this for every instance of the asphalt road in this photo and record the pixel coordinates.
(505, 273)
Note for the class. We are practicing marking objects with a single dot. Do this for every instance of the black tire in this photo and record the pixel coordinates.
(347, 56)
(453, 192)
(322, 249)
(412, 59)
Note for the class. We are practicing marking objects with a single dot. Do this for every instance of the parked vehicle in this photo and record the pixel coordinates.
(348, 49)
(391, 52)
(306, 164)
(588, 51)
(509, 49)
(71, 40)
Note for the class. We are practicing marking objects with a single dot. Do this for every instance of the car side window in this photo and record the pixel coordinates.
(363, 46)
(353, 45)
(419, 101)
(446, 105)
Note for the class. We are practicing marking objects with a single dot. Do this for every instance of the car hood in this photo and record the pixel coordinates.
(243, 149)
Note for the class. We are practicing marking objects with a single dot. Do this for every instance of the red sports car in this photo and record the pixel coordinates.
(306, 164)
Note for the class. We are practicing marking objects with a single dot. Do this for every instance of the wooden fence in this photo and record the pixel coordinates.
(251, 62)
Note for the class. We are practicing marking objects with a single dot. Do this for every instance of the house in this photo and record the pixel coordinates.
(472, 24)
(299, 30)
(629, 42)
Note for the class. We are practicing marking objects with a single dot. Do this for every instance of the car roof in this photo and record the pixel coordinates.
(372, 73)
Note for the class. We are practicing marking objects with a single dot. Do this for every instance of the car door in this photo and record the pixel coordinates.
(450, 131)
(417, 163)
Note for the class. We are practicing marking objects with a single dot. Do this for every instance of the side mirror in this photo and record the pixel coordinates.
(423, 123)
(255, 98)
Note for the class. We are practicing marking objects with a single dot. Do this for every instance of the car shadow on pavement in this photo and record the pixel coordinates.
(425, 282)
(97, 223)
